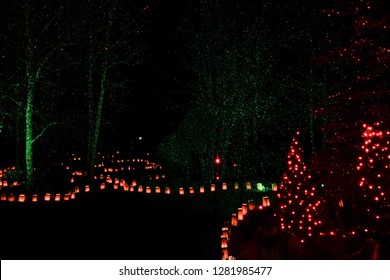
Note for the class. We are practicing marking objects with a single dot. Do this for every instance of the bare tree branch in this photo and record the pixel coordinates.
(44, 130)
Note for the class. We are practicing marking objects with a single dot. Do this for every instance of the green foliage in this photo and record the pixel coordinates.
(190, 149)
(242, 110)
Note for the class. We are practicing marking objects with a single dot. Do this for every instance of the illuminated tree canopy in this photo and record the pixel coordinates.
(242, 109)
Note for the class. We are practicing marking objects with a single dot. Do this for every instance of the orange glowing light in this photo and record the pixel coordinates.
(224, 242)
(234, 220)
(22, 198)
(224, 186)
(244, 207)
(240, 214)
(47, 197)
(266, 201)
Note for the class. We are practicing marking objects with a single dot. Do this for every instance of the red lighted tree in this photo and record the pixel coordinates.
(373, 167)
(299, 202)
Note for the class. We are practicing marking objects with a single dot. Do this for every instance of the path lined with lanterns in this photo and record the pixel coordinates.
(109, 180)
(297, 200)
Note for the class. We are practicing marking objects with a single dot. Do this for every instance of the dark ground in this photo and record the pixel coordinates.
(111, 225)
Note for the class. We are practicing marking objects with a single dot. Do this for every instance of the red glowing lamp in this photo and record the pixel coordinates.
(217, 161)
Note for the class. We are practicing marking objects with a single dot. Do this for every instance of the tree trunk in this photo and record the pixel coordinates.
(91, 109)
(95, 130)
(18, 133)
(29, 133)
(96, 116)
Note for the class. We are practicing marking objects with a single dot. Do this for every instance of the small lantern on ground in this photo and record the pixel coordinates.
(224, 242)
(260, 187)
(11, 197)
(266, 201)
(244, 208)
(225, 232)
(240, 214)
(22, 198)
(234, 220)
(225, 254)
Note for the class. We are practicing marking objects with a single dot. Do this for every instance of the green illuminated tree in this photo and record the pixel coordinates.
(242, 110)
(115, 33)
(52, 50)
(37, 34)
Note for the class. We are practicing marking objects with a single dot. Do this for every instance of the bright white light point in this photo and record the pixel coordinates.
(140, 138)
